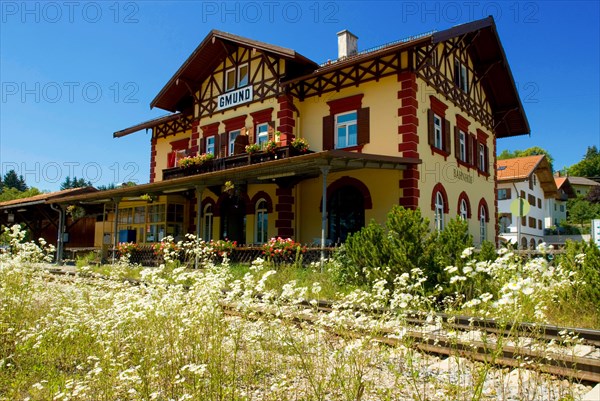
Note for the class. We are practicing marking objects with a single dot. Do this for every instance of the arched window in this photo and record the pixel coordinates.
(345, 212)
(482, 226)
(464, 210)
(262, 222)
(439, 211)
(523, 243)
(208, 222)
(532, 244)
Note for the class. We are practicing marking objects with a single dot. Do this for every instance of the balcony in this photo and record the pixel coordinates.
(226, 163)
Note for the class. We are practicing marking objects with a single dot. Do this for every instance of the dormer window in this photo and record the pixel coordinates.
(237, 77)
(461, 75)
(242, 75)
(230, 79)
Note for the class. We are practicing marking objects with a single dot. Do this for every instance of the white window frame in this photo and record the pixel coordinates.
(208, 221)
(232, 135)
(210, 144)
(481, 157)
(261, 231)
(482, 225)
(180, 154)
(239, 75)
(464, 211)
(462, 141)
(262, 134)
(437, 131)
(439, 211)
(346, 125)
(227, 72)
(464, 78)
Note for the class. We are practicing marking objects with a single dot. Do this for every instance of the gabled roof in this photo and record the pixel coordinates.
(175, 95)
(489, 61)
(522, 168)
(583, 181)
(47, 197)
(564, 184)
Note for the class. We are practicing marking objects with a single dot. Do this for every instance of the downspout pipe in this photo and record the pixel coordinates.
(60, 237)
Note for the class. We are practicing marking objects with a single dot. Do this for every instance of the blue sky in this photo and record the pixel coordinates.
(72, 73)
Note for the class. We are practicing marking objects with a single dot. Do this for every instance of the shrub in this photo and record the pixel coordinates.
(376, 252)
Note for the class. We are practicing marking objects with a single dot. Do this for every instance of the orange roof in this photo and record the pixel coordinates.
(521, 168)
(43, 198)
(559, 181)
(518, 167)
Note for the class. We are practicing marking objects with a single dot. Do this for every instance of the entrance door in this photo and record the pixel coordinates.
(346, 213)
(233, 219)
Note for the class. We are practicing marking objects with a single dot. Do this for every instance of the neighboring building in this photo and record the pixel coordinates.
(557, 206)
(412, 122)
(582, 185)
(528, 178)
(40, 215)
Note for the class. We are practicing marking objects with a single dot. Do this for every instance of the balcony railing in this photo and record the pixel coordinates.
(225, 163)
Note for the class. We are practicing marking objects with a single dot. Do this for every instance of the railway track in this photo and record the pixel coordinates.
(563, 360)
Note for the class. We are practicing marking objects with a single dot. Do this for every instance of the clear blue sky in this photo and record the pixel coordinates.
(72, 73)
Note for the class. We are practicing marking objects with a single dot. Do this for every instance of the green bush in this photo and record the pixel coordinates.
(377, 252)
(487, 252)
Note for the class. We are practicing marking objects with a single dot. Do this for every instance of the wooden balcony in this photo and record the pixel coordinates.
(225, 163)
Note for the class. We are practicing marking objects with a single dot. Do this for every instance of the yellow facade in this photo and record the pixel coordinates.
(396, 92)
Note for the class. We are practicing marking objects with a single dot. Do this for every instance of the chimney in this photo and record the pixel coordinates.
(347, 44)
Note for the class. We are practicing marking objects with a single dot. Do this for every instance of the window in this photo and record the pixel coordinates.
(505, 222)
(482, 226)
(531, 200)
(262, 133)
(232, 136)
(482, 157)
(462, 143)
(539, 203)
(504, 193)
(230, 79)
(439, 211)
(461, 77)
(524, 221)
(262, 222)
(463, 209)
(539, 224)
(242, 75)
(210, 144)
(437, 131)
(346, 130)
(179, 154)
(534, 179)
(531, 222)
(208, 222)
(562, 208)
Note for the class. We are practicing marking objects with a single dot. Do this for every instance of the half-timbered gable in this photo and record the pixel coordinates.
(413, 122)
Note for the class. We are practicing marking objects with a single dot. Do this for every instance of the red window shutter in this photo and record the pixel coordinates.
(486, 167)
(446, 144)
(271, 130)
(456, 144)
(362, 126)
(507, 193)
(202, 145)
(171, 159)
(224, 144)
(474, 150)
(431, 129)
(328, 134)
